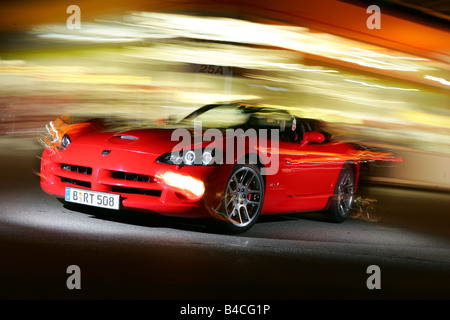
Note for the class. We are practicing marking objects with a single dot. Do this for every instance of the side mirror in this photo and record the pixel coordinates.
(312, 136)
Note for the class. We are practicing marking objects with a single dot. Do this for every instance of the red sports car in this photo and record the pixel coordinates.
(231, 162)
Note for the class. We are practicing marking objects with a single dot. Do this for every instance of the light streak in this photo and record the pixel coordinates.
(440, 80)
(378, 86)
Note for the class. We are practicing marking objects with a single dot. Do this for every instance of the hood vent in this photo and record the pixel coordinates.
(128, 138)
(123, 139)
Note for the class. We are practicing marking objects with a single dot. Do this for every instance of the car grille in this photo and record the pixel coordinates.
(132, 183)
(130, 176)
(76, 182)
(122, 182)
(78, 169)
(147, 192)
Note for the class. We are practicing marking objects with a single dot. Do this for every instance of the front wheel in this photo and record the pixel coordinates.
(343, 195)
(243, 198)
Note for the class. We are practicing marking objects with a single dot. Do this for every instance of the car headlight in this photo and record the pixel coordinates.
(189, 157)
(207, 157)
(196, 157)
(65, 141)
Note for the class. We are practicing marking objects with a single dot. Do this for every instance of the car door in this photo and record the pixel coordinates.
(311, 169)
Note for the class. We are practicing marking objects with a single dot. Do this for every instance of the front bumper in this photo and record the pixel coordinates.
(133, 175)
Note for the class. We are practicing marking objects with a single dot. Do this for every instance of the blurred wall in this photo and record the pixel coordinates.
(429, 170)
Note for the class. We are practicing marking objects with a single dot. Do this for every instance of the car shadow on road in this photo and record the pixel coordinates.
(312, 216)
(143, 219)
(209, 226)
(155, 220)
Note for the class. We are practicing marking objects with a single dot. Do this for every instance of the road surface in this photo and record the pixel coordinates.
(129, 255)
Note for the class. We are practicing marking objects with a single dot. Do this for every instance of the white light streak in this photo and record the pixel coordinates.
(86, 38)
(381, 87)
(440, 80)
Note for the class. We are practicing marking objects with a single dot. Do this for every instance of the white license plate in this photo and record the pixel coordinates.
(93, 198)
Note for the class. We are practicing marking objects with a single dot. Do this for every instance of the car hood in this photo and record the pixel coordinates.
(152, 141)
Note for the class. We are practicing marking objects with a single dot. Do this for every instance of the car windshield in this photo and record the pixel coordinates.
(236, 115)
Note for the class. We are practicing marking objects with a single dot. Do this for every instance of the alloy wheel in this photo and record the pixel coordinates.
(345, 193)
(243, 197)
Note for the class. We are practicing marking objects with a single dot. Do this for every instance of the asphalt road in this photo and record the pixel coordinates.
(128, 255)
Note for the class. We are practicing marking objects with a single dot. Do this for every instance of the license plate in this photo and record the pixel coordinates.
(93, 198)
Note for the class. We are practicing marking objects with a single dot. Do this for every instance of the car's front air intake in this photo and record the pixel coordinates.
(78, 169)
(130, 176)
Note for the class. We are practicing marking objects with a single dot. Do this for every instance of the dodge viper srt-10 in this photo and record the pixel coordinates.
(234, 163)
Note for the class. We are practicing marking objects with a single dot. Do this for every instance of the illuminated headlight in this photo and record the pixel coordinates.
(171, 158)
(190, 157)
(207, 158)
(65, 141)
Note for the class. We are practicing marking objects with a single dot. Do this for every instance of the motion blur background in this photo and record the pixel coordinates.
(136, 62)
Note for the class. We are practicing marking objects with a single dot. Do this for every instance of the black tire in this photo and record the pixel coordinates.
(242, 199)
(340, 203)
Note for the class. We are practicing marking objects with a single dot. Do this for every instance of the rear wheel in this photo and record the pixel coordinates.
(243, 198)
(343, 195)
